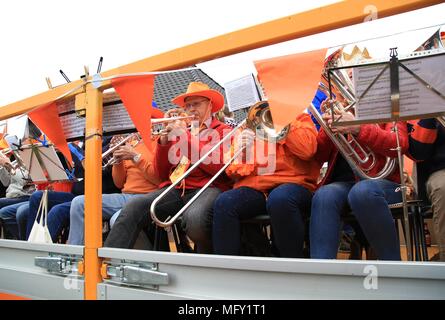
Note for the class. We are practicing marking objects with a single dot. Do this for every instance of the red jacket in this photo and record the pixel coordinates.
(379, 138)
(204, 172)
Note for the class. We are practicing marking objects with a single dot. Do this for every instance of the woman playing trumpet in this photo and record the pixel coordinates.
(133, 172)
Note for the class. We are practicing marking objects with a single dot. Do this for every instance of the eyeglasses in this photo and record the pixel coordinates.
(194, 104)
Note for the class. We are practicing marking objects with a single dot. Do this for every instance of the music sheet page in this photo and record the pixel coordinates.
(241, 93)
(415, 97)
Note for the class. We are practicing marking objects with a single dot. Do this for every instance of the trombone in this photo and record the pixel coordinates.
(259, 119)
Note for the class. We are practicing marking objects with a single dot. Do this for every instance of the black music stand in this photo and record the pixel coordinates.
(395, 113)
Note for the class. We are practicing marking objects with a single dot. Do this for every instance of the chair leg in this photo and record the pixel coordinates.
(422, 238)
(176, 239)
(403, 230)
(157, 239)
(415, 238)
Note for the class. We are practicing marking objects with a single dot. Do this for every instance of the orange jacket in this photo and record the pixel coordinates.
(294, 162)
(137, 177)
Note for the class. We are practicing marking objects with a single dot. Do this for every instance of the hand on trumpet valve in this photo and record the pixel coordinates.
(125, 152)
(344, 116)
(177, 126)
(115, 141)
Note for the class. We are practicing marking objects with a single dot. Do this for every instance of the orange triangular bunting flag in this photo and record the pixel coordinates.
(46, 118)
(290, 83)
(136, 93)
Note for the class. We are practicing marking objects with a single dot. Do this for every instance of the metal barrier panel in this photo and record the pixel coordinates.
(192, 276)
(20, 276)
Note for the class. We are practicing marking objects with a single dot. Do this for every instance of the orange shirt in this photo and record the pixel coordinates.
(137, 177)
(292, 162)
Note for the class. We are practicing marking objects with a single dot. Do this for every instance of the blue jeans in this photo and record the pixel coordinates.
(54, 199)
(15, 218)
(111, 203)
(287, 205)
(8, 213)
(58, 218)
(4, 202)
(368, 200)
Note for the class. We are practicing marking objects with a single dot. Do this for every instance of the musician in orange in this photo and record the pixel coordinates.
(133, 173)
(279, 185)
(202, 102)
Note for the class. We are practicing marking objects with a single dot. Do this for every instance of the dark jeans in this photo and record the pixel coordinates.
(13, 218)
(368, 200)
(58, 211)
(4, 202)
(196, 220)
(287, 205)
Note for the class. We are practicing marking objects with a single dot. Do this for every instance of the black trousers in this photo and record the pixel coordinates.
(196, 221)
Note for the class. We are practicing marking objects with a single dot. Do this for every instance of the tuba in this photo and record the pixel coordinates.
(361, 159)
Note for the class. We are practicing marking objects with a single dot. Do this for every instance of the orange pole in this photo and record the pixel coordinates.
(93, 190)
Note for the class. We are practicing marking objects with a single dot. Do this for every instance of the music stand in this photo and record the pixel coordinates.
(43, 163)
(394, 65)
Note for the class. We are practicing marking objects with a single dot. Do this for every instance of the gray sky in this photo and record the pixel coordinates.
(41, 37)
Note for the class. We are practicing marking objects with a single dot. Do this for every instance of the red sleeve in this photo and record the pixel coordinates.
(161, 164)
(325, 147)
(382, 139)
(216, 160)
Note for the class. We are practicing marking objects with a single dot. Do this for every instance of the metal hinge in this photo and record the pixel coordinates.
(60, 264)
(134, 274)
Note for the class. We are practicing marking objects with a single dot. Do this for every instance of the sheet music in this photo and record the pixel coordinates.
(115, 118)
(241, 93)
(415, 97)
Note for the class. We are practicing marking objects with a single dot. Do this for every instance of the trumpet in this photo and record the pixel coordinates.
(15, 165)
(158, 125)
(107, 157)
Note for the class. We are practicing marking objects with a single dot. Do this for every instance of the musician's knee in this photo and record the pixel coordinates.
(77, 206)
(364, 193)
(136, 208)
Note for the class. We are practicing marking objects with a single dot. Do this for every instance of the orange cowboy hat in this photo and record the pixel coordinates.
(202, 90)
